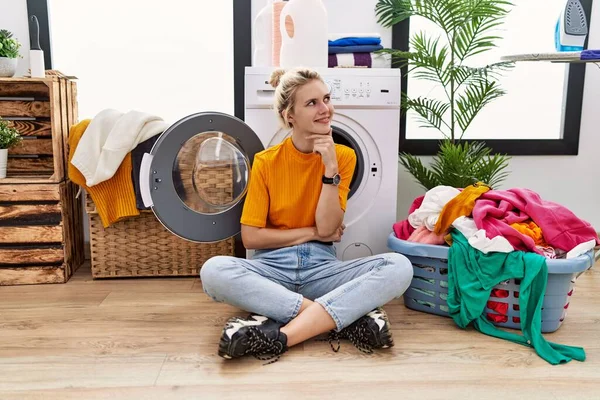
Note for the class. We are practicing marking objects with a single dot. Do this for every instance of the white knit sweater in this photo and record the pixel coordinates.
(108, 139)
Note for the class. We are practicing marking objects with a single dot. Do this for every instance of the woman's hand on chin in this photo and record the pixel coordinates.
(325, 146)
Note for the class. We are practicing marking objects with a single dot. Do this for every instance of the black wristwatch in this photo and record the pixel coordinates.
(335, 180)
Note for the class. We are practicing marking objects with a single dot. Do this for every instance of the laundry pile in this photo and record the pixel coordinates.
(105, 156)
(495, 236)
(497, 221)
(352, 50)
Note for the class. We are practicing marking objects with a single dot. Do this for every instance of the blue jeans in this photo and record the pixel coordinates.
(275, 282)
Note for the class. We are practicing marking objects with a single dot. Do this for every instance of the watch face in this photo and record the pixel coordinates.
(337, 179)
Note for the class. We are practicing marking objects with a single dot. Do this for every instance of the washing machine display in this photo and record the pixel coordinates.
(195, 178)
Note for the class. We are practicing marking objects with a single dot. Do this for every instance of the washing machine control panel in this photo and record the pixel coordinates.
(350, 87)
(363, 91)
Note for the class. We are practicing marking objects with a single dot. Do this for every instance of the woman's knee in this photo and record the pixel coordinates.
(213, 272)
(400, 271)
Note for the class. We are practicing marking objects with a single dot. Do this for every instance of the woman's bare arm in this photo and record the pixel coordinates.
(329, 215)
(266, 238)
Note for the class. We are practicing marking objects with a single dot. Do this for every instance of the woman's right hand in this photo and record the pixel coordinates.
(335, 237)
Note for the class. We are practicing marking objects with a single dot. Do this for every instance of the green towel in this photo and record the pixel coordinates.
(472, 275)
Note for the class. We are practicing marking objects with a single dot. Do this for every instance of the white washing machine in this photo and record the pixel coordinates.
(366, 118)
(195, 177)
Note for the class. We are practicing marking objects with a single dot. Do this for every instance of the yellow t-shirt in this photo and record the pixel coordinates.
(285, 185)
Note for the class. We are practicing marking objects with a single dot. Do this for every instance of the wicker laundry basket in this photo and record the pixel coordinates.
(428, 290)
(142, 247)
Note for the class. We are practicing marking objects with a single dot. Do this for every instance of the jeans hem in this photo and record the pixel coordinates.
(296, 308)
(338, 323)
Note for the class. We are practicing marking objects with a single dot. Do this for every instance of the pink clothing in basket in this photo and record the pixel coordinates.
(495, 210)
(403, 229)
(425, 236)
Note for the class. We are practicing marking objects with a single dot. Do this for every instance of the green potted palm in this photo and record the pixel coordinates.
(9, 137)
(466, 28)
(9, 52)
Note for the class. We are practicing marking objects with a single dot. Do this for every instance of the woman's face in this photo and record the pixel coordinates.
(312, 110)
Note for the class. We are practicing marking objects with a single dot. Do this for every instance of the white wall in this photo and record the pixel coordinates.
(173, 58)
(13, 17)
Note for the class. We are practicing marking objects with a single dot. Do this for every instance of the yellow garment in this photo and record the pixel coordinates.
(115, 197)
(448, 239)
(531, 229)
(285, 185)
(461, 205)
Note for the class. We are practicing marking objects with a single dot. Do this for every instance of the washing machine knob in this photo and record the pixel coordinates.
(330, 86)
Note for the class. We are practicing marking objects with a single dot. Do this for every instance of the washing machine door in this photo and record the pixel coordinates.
(195, 178)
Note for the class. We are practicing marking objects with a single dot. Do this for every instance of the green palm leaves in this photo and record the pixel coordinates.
(467, 30)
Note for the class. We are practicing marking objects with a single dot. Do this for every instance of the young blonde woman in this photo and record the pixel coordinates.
(294, 286)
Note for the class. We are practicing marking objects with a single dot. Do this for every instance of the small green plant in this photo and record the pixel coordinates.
(9, 47)
(9, 136)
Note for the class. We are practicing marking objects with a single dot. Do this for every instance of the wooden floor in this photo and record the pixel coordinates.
(157, 339)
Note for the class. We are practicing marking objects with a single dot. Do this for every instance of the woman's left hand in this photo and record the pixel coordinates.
(325, 146)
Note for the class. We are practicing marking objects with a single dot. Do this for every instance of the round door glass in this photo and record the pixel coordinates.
(210, 173)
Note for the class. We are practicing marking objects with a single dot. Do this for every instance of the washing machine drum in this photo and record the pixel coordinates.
(196, 176)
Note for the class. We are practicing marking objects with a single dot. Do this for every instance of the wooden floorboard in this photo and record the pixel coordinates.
(157, 339)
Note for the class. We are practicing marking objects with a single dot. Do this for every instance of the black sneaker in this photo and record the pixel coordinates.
(369, 332)
(256, 335)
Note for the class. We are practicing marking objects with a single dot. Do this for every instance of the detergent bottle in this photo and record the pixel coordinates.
(262, 36)
(277, 7)
(303, 26)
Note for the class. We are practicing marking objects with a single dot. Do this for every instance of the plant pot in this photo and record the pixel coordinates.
(8, 67)
(3, 162)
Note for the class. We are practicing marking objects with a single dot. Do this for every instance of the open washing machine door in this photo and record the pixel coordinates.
(196, 176)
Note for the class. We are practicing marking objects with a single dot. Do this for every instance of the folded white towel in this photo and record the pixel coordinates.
(107, 140)
(336, 36)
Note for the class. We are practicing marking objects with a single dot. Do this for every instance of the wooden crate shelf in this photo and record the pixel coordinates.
(41, 233)
(43, 110)
(41, 221)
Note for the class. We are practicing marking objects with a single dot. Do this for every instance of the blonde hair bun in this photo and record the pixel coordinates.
(276, 77)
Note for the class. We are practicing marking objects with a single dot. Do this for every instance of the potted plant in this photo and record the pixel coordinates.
(9, 52)
(9, 137)
(467, 30)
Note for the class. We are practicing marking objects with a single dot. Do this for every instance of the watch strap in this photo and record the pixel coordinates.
(334, 180)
